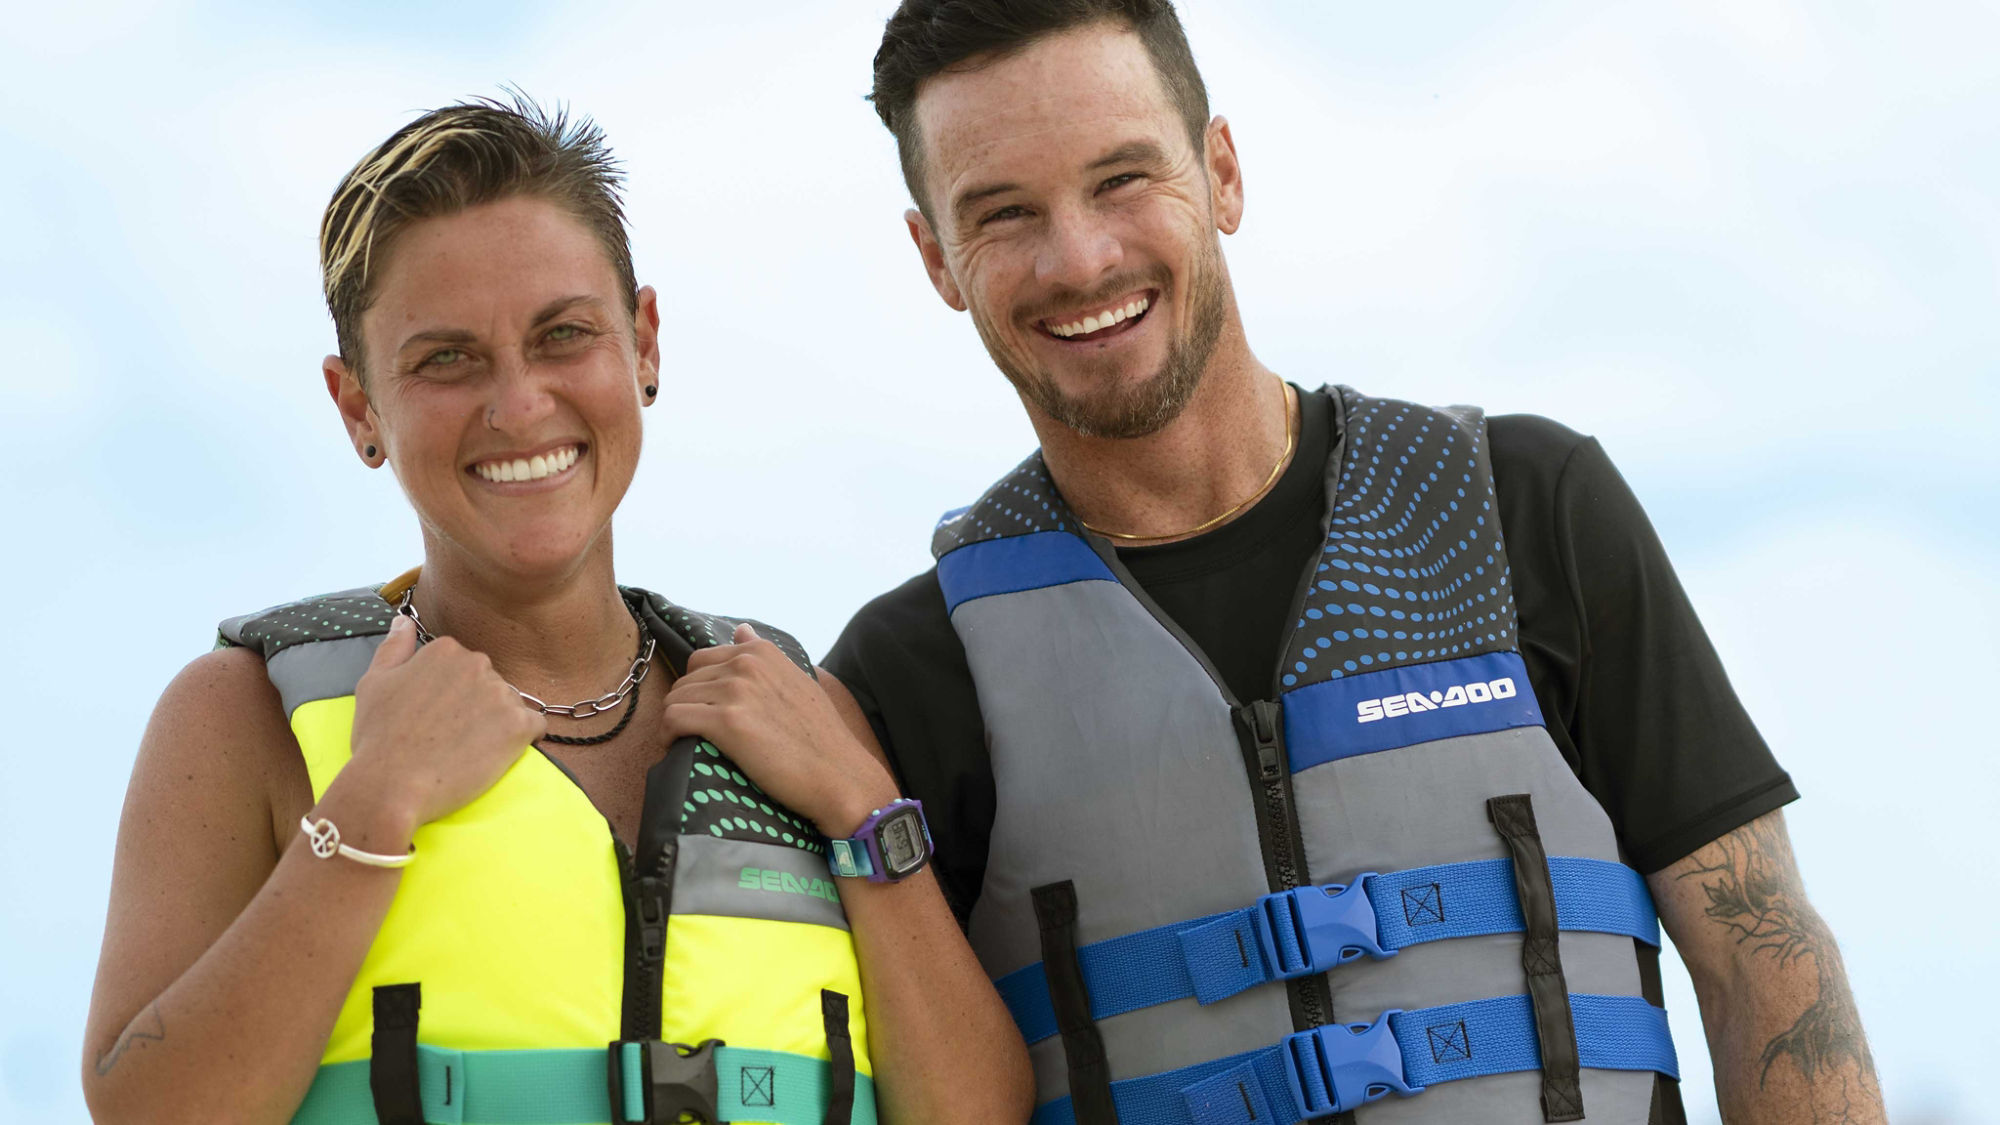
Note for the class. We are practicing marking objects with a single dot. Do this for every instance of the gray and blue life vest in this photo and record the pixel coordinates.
(1382, 887)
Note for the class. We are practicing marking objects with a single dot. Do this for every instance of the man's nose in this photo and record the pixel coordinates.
(1080, 249)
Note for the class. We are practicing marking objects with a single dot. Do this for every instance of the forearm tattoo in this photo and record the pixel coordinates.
(147, 1027)
(1753, 890)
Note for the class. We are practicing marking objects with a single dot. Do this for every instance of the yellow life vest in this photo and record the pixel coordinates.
(534, 970)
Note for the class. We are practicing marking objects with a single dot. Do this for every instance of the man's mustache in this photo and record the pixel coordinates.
(1070, 300)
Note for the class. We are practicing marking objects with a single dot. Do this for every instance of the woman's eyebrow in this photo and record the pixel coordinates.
(562, 305)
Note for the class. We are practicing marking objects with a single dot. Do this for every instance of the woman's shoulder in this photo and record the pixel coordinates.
(220, 725)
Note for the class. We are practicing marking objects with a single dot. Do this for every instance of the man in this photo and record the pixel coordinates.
(1298, 752)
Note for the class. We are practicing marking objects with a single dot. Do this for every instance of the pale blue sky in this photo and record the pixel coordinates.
(1750, 244)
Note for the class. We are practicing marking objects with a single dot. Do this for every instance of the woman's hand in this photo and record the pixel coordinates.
(776, 723)
(433, 728)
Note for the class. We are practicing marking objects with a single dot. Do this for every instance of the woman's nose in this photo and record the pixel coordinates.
(520, 399)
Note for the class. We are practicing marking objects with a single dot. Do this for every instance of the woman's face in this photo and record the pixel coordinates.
(503, 385)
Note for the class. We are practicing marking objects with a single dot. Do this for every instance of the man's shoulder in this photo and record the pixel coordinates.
(904, 623)
(1530, 442)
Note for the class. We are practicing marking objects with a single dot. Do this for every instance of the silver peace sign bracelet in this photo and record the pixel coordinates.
(325, 841)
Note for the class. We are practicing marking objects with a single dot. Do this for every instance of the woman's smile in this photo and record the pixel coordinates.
(539, 470)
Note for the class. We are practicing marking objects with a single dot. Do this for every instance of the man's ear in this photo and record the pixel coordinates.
(646, 332)
(1225, 176)
(351, 399)
(932, 253)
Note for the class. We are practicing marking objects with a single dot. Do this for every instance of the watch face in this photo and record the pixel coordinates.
(901, 839)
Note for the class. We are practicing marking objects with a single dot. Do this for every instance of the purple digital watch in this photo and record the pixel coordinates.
(893, 844)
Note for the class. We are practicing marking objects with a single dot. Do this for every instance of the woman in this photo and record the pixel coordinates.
(364, 870)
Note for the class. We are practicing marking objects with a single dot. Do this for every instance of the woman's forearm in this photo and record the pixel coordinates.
(943, 1046)
(238, 1035)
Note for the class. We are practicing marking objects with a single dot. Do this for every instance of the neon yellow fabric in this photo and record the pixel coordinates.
(497, 968)
(512, 918)
(754, 982)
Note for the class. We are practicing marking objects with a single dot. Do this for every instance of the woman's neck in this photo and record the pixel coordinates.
(561, 639)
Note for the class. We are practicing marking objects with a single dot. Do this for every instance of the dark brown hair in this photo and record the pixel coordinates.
(449, 159)
(928, 37)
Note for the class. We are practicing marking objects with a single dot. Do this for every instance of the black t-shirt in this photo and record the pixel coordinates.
(1633, 692)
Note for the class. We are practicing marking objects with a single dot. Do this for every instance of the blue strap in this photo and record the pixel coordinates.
(1313, 929)
(1337, 1068)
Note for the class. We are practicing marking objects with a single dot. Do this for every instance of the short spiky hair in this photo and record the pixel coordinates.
(449, 159)
(925, 38)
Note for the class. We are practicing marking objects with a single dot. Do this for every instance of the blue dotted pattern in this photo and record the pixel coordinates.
(1024, 502)
(1414, 568)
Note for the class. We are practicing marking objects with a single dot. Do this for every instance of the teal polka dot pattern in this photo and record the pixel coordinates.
(722, 802)
(328, 617)
(1413, 569)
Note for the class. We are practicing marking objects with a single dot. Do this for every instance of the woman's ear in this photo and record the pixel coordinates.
(646, 333)
(351, 399)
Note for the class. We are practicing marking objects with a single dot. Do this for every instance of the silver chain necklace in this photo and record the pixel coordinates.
(641, 664)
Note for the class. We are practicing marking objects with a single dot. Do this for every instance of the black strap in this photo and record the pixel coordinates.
(1541, 956)
(840, 1085)
(1083, 1046)
(392, 1059)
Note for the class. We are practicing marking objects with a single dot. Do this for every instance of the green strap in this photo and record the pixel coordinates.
(568, 1087)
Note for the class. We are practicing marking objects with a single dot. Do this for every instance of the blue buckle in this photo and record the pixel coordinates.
(1334, 924)
(1335, 1068)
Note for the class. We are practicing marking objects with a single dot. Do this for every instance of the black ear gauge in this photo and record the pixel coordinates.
(651, 390)
(368, 451)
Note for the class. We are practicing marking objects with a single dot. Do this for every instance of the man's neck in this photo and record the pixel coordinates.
(560, 638)
(1220, 452)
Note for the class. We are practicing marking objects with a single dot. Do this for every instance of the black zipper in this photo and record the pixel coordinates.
(1261, 728)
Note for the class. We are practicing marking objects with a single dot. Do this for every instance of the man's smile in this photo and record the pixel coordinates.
(1101, 321)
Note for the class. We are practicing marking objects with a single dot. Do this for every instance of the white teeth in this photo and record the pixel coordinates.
(1099, 321)
(538, 467)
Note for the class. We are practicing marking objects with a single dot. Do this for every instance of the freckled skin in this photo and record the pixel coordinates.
(514, 385)
(1074, 233)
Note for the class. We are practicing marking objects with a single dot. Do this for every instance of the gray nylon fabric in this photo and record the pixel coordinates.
(1115, 746)
(1117, 766)
(741, 879)
(303, 673)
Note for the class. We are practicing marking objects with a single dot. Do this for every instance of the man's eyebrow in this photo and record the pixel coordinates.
(1133, 152)
(965, 201)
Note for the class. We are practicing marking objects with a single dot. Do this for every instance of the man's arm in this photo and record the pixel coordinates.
(1782, 1027)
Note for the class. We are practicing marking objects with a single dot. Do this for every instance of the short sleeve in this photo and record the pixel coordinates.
(1659, 735)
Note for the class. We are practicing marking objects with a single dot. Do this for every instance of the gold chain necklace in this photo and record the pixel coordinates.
(1291, 442)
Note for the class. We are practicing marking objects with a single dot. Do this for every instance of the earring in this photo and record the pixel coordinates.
(651, 390)
(368, 451)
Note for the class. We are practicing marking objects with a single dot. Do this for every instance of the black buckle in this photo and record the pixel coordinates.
(679, 1081)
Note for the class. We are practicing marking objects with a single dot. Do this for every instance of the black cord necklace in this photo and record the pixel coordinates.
(631, 706)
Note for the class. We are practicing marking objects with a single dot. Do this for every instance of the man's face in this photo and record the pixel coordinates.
(1072, 217)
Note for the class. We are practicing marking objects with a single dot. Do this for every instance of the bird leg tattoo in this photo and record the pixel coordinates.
(1752, 887)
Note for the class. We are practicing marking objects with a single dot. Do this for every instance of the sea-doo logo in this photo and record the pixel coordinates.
(784, 882)
(1410, 702)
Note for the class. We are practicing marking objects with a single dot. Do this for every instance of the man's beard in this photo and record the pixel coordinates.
(1136, 411)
